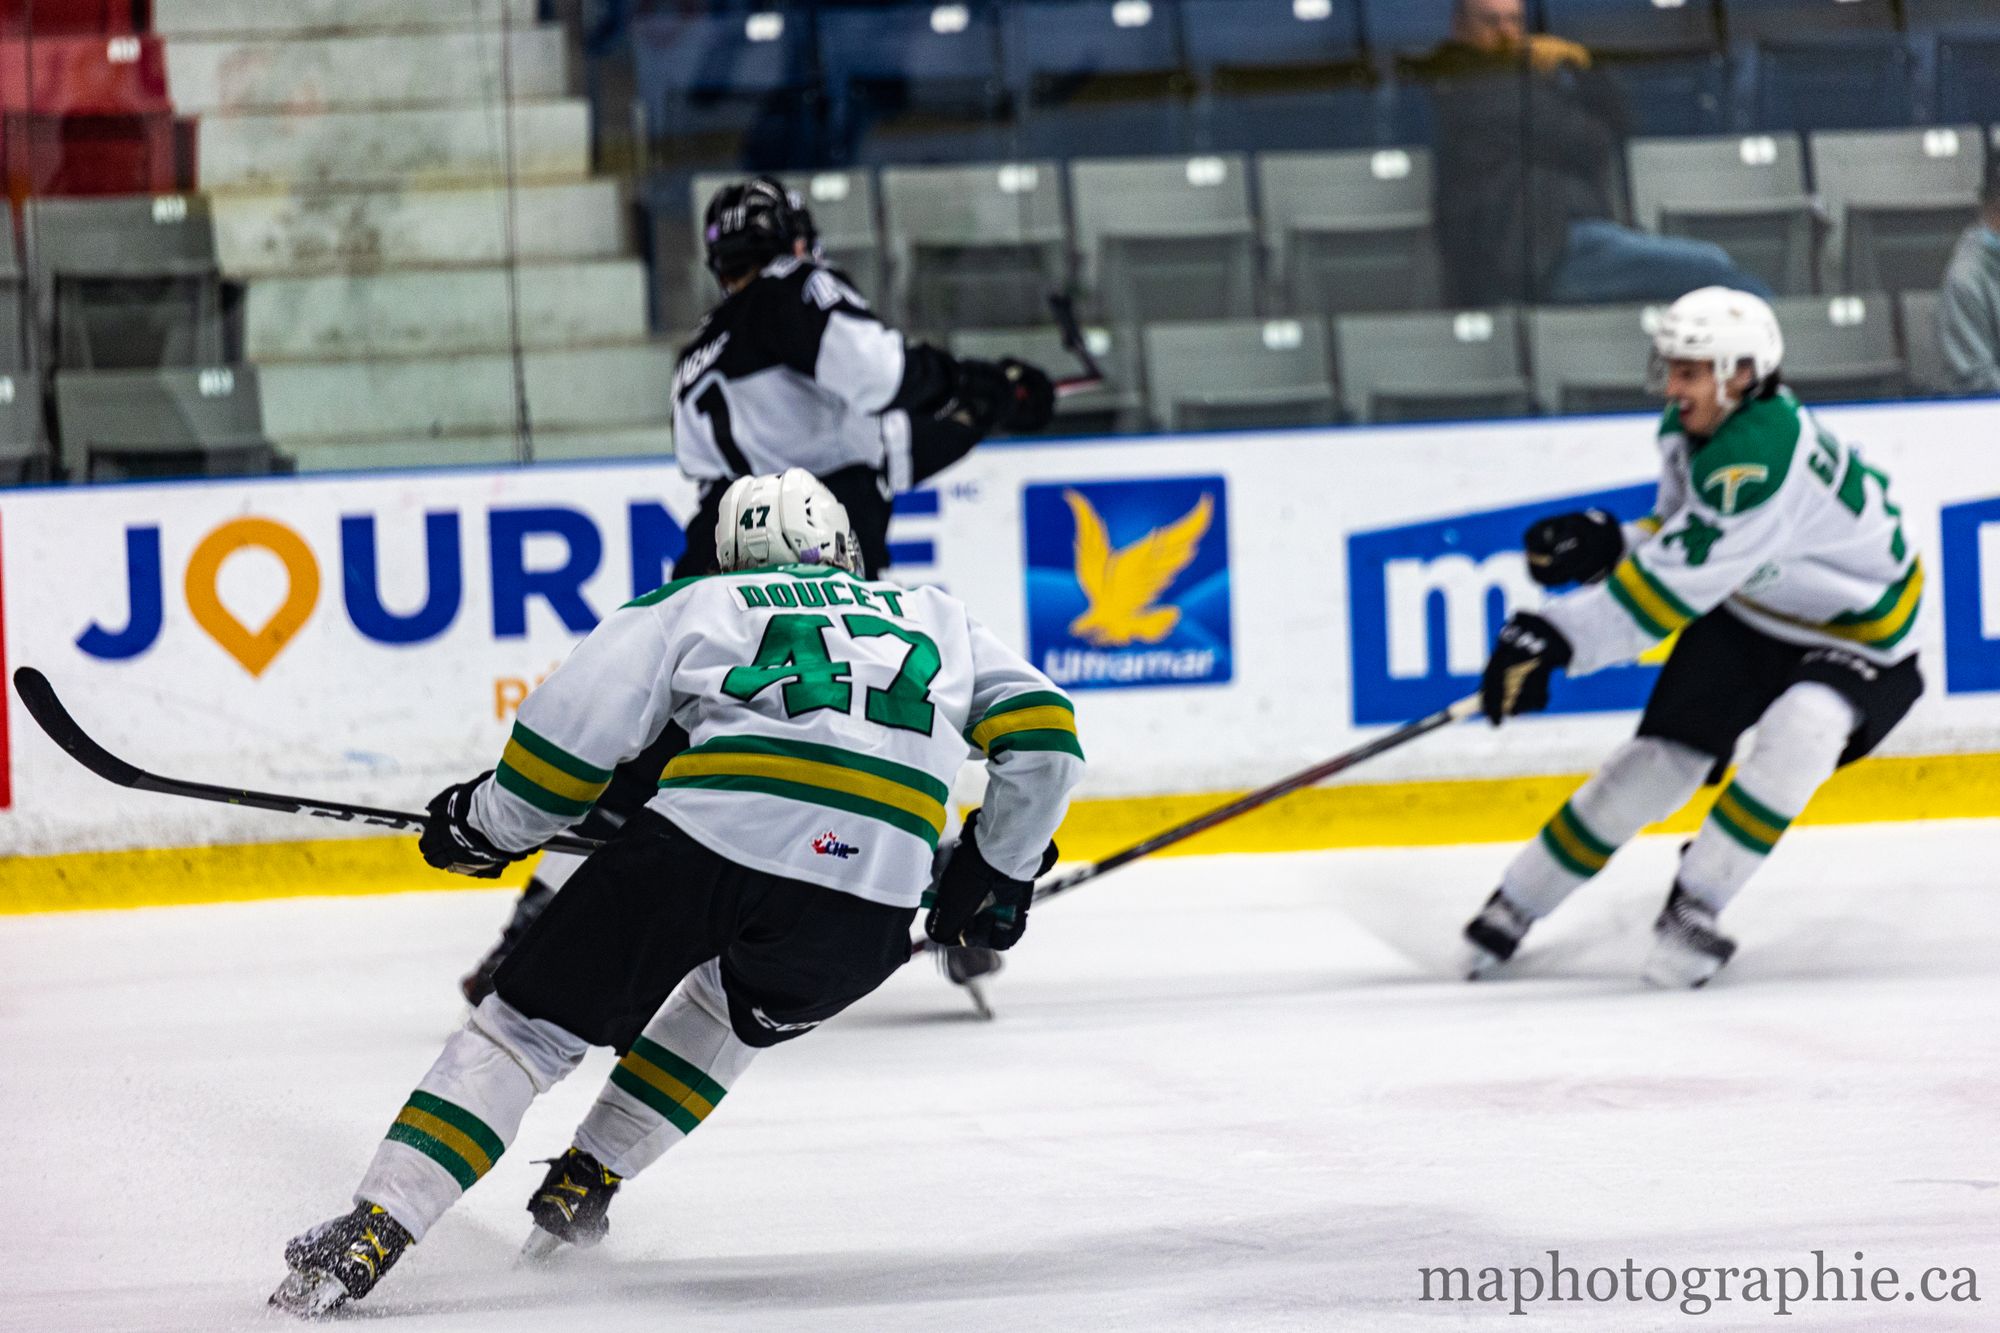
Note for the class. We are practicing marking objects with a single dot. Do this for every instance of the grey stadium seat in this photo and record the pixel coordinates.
(1590, 358)
(1350, 232)
(1166, 238)
(130, 282)
(1900, 199)
(1118, 407)
(1842, 348)
(135, 423)
(1456, 365)
(1239, 374)
(976, 246)
(1922, 350)
(13, 334)
(1746, 193)
(21, 455)
(843, 208)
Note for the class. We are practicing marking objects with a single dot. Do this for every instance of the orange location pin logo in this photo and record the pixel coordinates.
(255, 649)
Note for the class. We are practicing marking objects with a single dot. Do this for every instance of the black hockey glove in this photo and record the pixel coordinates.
(450, 842)
(1004, 395)
(1517, 676)
(1574, 548)
(974, 905)
(1033, 405)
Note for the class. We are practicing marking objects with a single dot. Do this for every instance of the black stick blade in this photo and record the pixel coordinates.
(39, 698)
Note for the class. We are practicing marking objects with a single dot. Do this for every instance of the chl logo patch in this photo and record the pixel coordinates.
(829, 844)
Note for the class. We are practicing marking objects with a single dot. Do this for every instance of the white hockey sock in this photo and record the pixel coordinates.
(673, 1076)
(1644, 780)
(1799, 742)
(465, 1112)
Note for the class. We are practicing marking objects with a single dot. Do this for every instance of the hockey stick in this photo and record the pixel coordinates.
(39, 698)
(1245, 803)
(1063, 307)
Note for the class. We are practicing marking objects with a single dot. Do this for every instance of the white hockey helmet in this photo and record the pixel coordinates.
(788, 519)
(1724, 327)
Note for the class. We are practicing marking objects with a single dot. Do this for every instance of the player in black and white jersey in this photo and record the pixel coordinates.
(793, 369)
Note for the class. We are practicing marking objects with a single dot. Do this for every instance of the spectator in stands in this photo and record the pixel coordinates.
(1528, 134)
(1969, 312)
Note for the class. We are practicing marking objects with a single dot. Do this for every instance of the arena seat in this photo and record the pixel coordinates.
(137, 423)
(1585, 359)
(1349, 232)
(976, 246)
(1899, 200)
(914, 83)
(1666, 60)
(1747, 194)
(22, 457)
(130, 283)
(66, 18)
(13, 305)
(1917, 314)
(1164, 239)
(1239, 374)
(1865, 81)
(85, 76)
(1454, 365)
(1955, 15)
(1782, 20)
(704, 77)
(1281, 75)
(1842, 348)
(1117, 405)
(1095, 76)
(1404, 27)
(1968, 79)
(85, 115)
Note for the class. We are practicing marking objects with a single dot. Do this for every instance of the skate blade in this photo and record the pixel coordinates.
(977, 994)
(542, 1246)
(1671, 967)
(1476, 964)
(308, 1295)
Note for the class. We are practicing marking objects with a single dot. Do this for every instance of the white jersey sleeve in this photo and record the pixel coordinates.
(1026, 728)
(1735, 518)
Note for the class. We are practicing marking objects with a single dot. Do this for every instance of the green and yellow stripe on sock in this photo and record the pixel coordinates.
(548, 777)
(900, 796)
(1749, 821)
(1575, 847)
(449, 1135)
(1038, 720)
(1651, 603)
(668, 1084)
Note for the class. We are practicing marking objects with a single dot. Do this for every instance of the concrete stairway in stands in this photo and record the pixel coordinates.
(356, 152)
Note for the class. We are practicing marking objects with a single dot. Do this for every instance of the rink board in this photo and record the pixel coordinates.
(1273, 598)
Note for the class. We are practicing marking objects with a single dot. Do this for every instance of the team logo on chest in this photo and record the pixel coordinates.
(1732, 479)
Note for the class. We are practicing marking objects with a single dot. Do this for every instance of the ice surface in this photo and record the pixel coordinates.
(1231, 1092)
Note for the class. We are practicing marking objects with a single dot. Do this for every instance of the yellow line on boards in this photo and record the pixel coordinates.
(1397, 814)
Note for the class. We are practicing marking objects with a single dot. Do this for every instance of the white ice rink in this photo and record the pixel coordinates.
(1223, 1093)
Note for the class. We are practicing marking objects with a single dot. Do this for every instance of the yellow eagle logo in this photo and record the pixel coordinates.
(1122, 586)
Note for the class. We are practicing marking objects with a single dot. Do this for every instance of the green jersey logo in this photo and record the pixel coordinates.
(1697, 539)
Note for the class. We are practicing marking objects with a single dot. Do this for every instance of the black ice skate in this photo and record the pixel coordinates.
(477, 984)
(1687, 948)
(1494, 935)
(570, 1206)
(965, 967)
(339, 1260)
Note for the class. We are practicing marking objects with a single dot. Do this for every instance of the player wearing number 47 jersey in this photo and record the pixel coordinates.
(770, 882)
(1777, 555)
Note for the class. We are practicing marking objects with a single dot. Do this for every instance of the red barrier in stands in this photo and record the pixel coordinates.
(56, 18)
(83, 75)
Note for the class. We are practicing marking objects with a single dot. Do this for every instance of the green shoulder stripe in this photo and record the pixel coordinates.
(1746, 463)
(664, 591)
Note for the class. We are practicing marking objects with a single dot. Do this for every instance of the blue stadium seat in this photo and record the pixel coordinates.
(1094, 76)
(913, 83)
(1860, 82)
(1968, 79)
(1630, 27)
(1270, 34)
(1352, 116)
(1925, 16)
(1673, 94)
(699, 76)
(1404, 27)
(1787, 20)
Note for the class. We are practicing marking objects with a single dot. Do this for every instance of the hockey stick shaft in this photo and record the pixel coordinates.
(1249, 801)
(38, 696)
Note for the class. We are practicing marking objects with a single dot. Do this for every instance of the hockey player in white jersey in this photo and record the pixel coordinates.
(1776, 553)
(770, 883)
(793, 369)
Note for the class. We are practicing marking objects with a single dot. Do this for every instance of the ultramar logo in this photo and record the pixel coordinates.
(1128, 582)
(1426, 600)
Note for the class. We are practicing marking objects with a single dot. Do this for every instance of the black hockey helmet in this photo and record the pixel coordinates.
(747, 225)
